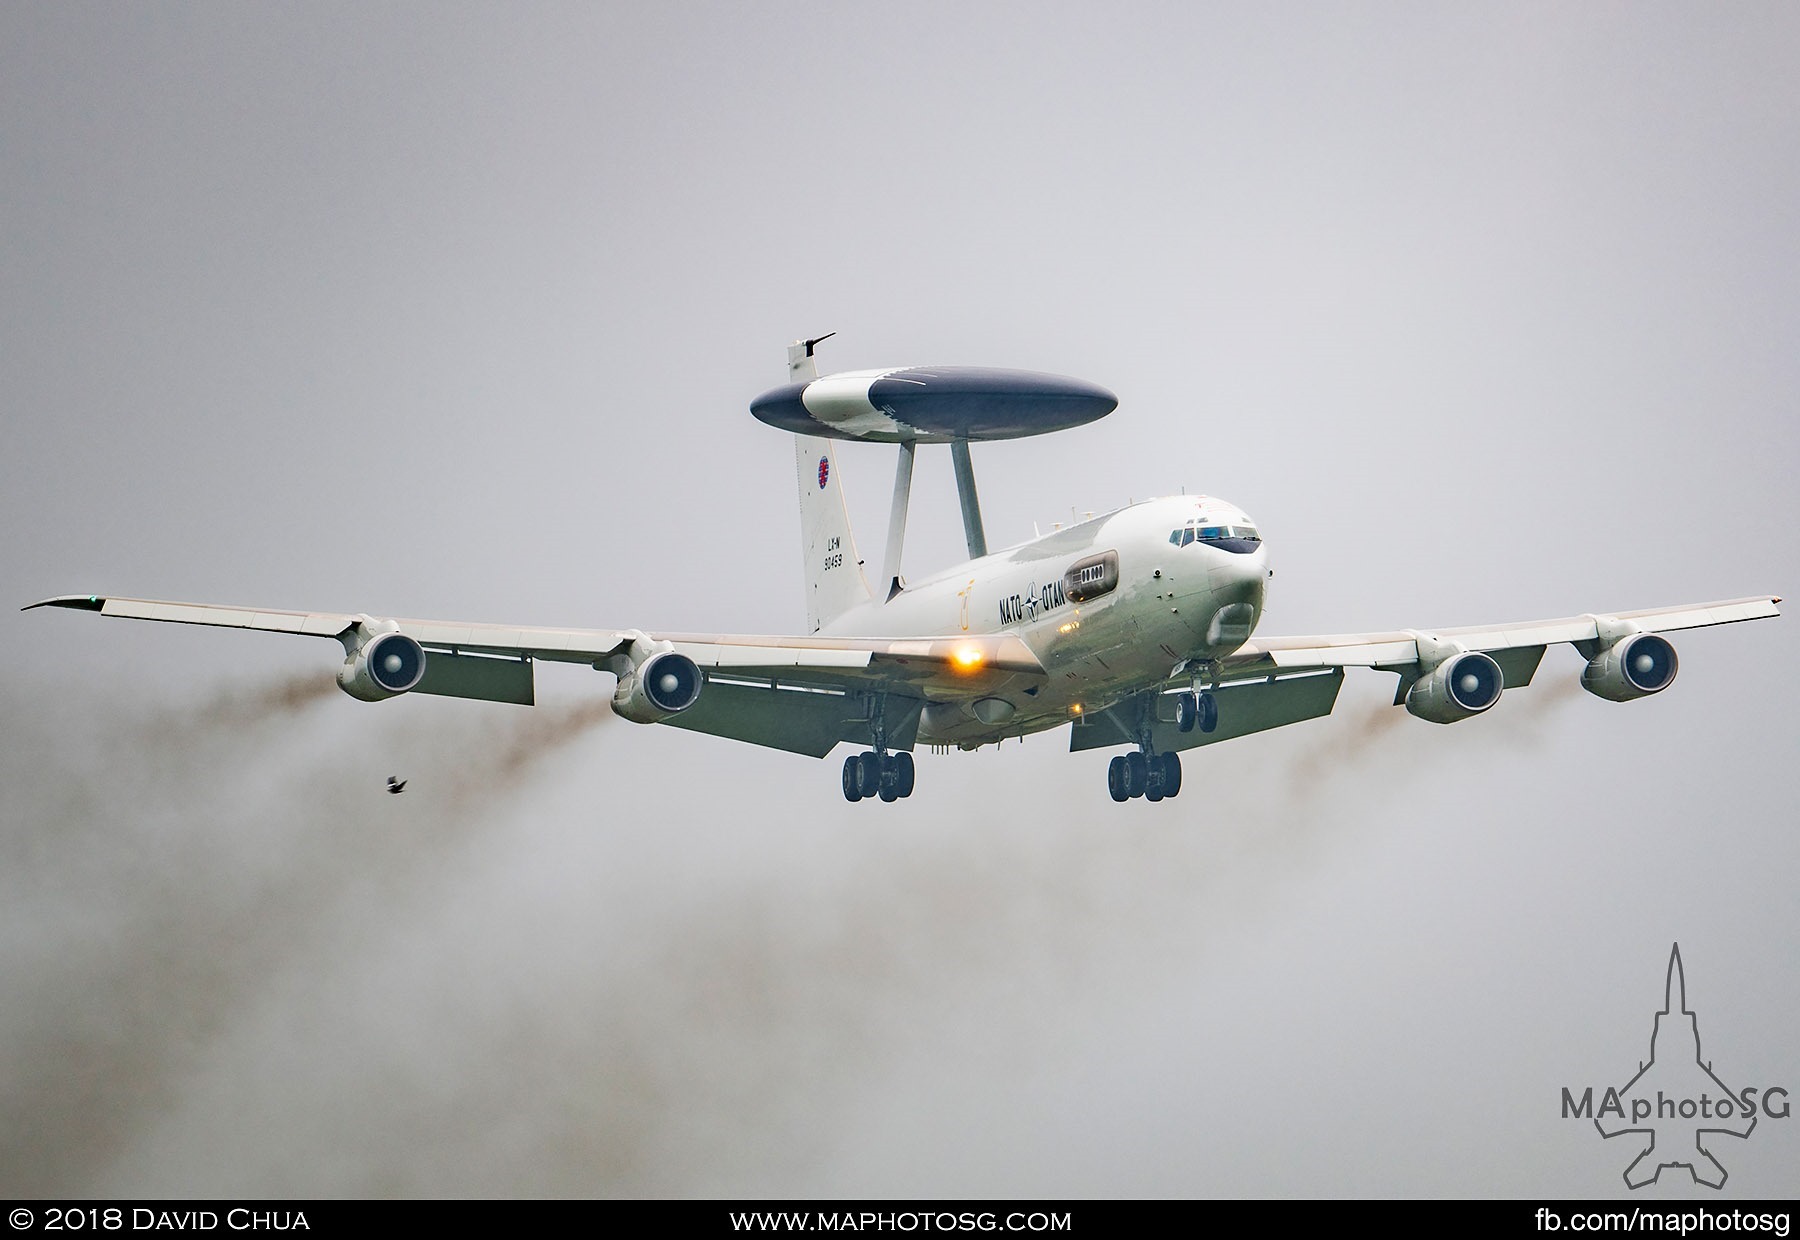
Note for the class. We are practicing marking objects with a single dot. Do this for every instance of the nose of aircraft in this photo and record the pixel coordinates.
(1232, 599)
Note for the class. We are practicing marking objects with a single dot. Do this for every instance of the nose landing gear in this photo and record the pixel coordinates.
(1196, 708)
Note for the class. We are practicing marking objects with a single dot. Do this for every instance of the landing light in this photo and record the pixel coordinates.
(968, 658)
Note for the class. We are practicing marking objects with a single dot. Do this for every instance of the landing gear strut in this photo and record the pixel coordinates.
(1146, 773)
(876, 772)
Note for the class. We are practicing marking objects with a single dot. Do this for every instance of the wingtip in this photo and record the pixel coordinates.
(81, 602)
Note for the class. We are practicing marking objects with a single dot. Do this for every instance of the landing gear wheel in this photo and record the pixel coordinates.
(852, 779)
(868, 773)
(1171, 773)
(1137, 774)
(1187, 712)
(1153, 784)
(1209, 711)
(1115, 779)
(903, 774)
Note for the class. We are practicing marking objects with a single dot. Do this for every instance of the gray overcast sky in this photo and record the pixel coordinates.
(1485, 312)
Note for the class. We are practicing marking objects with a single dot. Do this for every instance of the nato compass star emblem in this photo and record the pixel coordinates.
(1675, 1104)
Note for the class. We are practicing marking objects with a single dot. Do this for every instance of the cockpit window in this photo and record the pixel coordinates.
(1241, 539)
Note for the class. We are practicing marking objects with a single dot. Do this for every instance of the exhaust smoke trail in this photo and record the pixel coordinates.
(534, 737)
(432, 1008)
(1351, 737)
(150, 895)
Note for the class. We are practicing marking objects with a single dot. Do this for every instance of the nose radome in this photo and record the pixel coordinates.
(1238, 579)
(1233, 601)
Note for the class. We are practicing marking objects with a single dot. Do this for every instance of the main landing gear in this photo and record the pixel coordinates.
(1152, 776)
(1149, 774)
(876, 772)
(871, 774)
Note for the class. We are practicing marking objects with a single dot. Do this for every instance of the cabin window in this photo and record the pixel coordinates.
(1092, 577)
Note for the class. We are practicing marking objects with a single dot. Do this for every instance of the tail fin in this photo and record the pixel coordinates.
(834, 575)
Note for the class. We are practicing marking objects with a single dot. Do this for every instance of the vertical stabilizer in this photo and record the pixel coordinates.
(833, 570)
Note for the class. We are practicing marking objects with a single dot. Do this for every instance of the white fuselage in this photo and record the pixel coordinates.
(1107, 606)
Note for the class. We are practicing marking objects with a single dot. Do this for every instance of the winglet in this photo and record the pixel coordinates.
(81, 602)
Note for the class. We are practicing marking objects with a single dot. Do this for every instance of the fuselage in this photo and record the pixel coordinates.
(1107, 605)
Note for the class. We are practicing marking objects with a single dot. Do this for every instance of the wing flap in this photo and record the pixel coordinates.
(1244, 708)
(726, 656)
(483, 677)
(1518, 665)
(796, 719)
(973, 652)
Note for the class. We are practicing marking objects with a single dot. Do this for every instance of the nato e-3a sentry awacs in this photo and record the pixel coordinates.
(1137, 627)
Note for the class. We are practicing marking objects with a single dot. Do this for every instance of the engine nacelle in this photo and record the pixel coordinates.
(384, 666)
(1461, 686)
(657, 681)
(1632, 667)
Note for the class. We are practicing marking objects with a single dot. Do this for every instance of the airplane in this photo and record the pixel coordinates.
(1137, 626)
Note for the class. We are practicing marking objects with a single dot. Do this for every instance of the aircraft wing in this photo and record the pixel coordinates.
(786, 692)
(1517, 648)
(1271, 682)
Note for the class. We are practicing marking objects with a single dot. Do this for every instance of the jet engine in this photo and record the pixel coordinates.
(1632, 667)
(655, 681)
(1459, 687)
(383, 666)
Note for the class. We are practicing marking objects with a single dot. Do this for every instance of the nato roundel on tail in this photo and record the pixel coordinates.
(934, 404)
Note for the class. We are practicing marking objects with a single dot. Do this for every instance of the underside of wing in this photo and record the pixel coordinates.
(801, 694)
(1451, 674)
(805, 695)
(1244, 707)
(800, 720)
